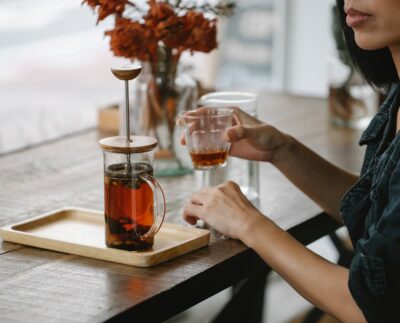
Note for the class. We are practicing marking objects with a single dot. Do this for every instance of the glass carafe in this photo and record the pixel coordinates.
(134, 202)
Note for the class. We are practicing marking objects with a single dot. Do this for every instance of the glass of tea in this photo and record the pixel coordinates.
(134, 202)
(204, 131)
(243, 172)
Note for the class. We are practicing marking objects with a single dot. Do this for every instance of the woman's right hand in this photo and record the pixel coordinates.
(251, 138)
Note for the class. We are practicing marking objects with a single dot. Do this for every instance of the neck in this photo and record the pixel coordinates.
(395, 50)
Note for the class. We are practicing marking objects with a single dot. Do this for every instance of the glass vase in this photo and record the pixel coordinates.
(156, 100)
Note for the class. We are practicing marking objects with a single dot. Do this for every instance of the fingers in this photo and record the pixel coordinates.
(235, 118)
(236, 133)
(196, 210)
(198, 112)
(192, 213)
(190, 219)
(239, 116)
(202, 111)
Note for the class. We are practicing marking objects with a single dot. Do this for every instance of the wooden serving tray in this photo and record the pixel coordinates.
(81, 232)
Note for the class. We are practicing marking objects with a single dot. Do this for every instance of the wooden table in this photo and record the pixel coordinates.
(40, 285)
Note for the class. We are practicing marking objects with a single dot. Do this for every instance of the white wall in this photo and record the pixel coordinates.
(308, 40)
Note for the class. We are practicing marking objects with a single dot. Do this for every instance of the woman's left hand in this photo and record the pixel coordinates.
(225, 208)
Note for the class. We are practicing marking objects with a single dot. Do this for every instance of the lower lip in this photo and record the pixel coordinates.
(356, 20)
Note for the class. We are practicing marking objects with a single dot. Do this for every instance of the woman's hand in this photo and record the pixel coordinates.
(250, 138)
(225, 208)
(255, 140)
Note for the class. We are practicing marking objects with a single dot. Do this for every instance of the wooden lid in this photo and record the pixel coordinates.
(138, 144)
(127, 73)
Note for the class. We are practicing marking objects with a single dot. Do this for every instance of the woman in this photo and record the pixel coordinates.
(369, 204)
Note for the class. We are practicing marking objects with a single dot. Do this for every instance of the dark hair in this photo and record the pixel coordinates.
(376, 66)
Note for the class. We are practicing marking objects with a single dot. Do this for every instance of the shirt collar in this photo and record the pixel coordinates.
(381, 118)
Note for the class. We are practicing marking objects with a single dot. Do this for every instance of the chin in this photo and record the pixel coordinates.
(367, 42)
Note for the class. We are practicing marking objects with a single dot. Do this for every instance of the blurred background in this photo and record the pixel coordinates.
(54, 61)
(55, 76)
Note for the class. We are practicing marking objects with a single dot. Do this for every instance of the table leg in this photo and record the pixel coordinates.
(247, 302)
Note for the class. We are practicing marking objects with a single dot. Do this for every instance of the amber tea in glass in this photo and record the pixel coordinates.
(208, 158)
(204, 130)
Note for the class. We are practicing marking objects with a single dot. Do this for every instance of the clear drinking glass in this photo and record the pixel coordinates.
(204, 131)
(244, 172)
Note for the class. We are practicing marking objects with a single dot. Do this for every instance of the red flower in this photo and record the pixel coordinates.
(132, 40)
(190, 31)
(107, 7)
(158, 12)
(203, 35)
(160, 26)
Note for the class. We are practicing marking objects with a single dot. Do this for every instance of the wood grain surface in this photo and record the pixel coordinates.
(43, 286)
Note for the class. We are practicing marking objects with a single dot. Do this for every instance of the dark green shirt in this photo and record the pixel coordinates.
(371, 213)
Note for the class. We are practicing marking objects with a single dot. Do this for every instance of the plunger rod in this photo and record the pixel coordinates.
(127, 73)
(127, 124)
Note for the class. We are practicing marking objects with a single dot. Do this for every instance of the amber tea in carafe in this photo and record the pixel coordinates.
(134, 203)
(129, 206)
